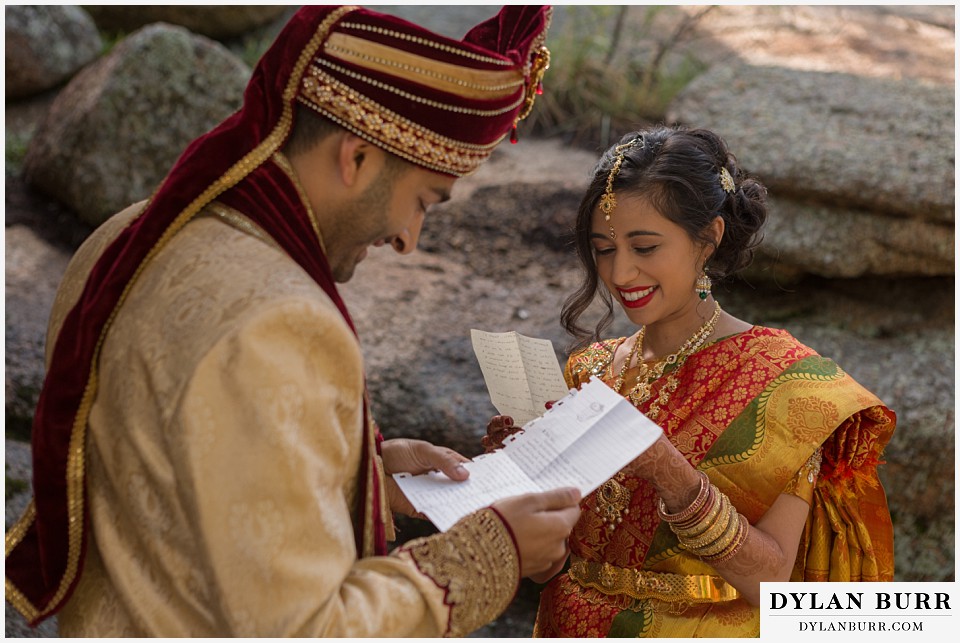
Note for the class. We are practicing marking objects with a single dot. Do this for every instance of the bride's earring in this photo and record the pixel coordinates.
(703, 284)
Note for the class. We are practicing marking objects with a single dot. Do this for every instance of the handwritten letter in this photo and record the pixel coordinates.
(581, 442)
(522, 373)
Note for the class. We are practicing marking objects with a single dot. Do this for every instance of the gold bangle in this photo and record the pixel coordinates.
(707, 522)
(692, 508)
(722, 543)
(704, 514)
(713, 531)
(738, 541)
(716, 533)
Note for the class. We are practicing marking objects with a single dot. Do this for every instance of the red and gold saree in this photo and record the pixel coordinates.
(761, 414)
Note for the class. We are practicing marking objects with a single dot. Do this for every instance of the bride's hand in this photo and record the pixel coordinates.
(499, 428)
(673, 477)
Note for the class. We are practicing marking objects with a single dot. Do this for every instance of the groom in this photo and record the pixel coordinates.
(205, 461)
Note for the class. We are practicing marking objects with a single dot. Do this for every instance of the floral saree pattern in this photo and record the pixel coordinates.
(761, 414)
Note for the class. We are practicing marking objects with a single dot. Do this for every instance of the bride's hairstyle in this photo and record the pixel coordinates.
(690, 177)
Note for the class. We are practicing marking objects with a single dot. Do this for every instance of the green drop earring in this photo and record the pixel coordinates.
(703, 284)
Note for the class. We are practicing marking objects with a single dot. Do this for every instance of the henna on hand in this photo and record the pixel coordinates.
(760, 552)
(499, 429)
(675, 479)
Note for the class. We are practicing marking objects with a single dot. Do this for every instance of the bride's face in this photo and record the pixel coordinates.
(651, 266)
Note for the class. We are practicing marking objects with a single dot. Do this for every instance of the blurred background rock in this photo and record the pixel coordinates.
(846, 113)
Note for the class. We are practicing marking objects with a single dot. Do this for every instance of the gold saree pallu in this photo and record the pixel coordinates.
(643, 584)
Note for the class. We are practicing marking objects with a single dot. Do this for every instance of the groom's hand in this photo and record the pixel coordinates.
(541, 524)
(403, 455)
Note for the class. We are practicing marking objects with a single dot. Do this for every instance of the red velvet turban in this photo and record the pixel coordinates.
(440, 103)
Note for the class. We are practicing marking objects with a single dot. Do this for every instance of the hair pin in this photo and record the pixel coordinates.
(726, 181)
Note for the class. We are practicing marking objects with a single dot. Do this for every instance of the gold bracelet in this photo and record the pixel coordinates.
(725, 540)
(716, 529)
(709, 522)
(738, 541)
(692, 508)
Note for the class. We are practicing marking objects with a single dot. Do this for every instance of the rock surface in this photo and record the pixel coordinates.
(33, 271)
(890, 41)
(843, 242)
(116, 128)
(213, 21)
(45, 45)
(839, 139)
(860, 170)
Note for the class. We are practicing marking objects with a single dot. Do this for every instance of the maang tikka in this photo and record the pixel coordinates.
(608, 201)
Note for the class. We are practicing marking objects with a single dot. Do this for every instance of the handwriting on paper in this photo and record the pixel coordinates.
(522, 373)
(581, 442)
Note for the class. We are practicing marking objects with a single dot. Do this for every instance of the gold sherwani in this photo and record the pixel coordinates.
(223, 454)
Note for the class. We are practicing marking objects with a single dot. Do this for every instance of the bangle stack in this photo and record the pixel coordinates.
(711, 528)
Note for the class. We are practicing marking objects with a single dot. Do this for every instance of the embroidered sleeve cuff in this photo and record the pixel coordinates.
(476, 563)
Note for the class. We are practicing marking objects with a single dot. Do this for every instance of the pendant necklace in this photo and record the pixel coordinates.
(613, 498)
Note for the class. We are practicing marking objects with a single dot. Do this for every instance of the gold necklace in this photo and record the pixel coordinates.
(613, 498)
(679, 358)
(618, 383)
(647, 376)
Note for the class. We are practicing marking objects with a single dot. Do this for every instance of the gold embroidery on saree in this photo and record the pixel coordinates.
(595, 359)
